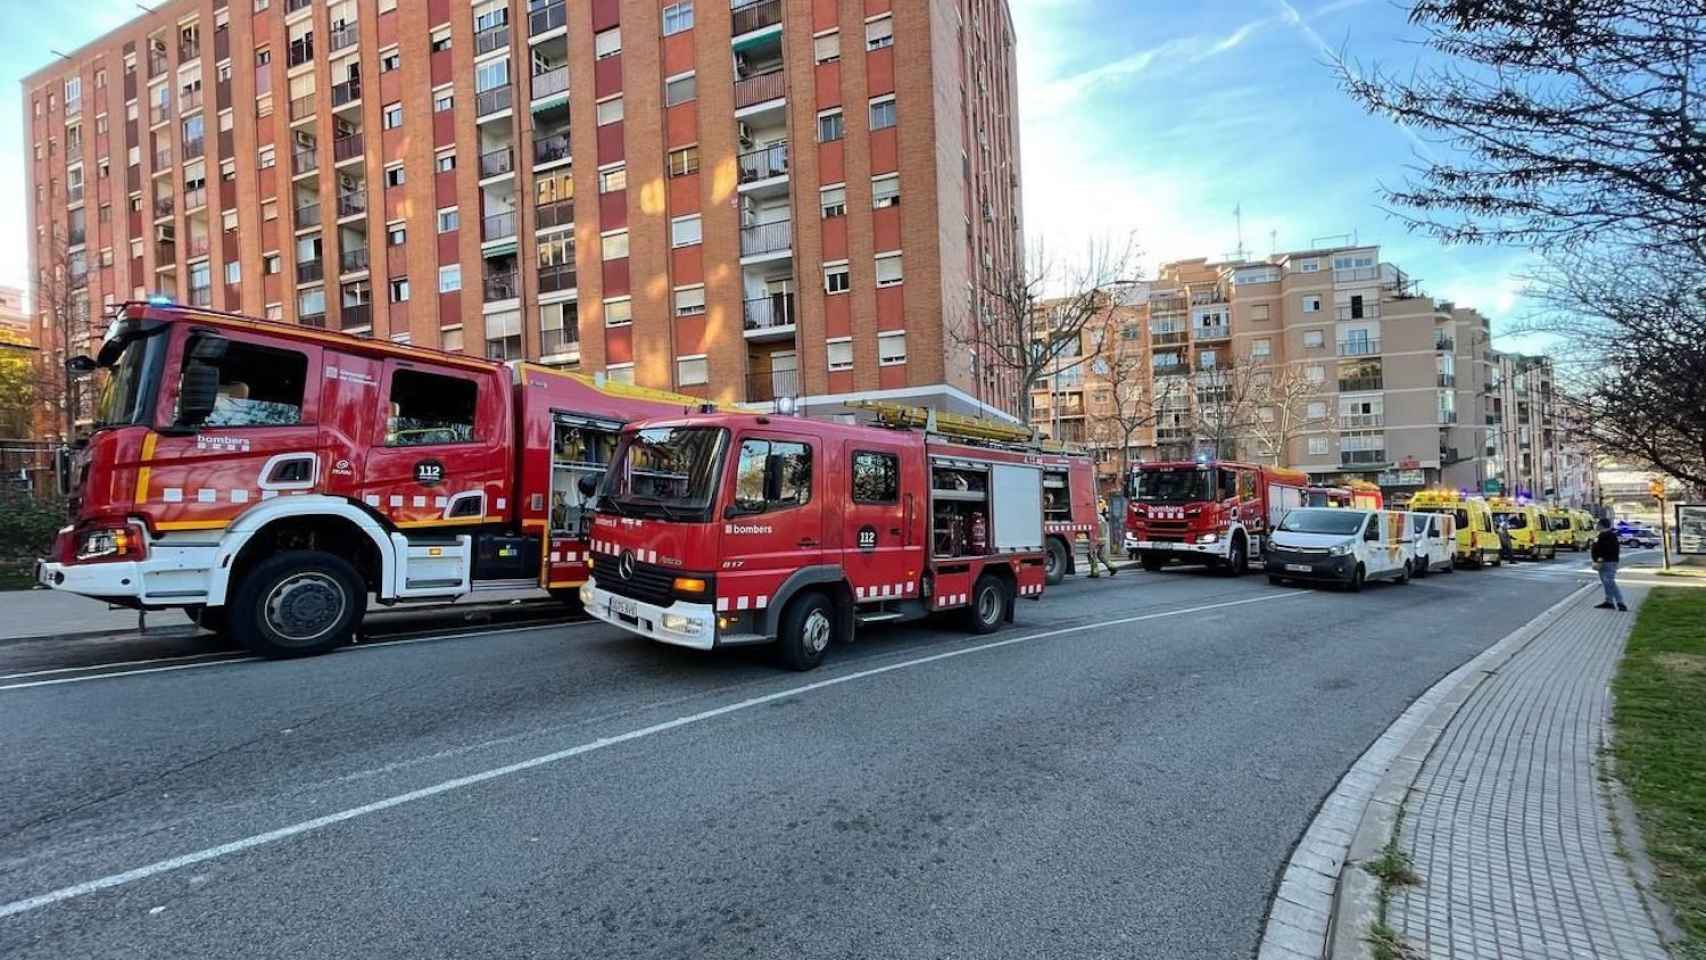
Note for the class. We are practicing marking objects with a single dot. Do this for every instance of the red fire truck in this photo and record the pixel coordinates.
(722, 530)
(266, 478)
(1215, 512)
(1069, 510)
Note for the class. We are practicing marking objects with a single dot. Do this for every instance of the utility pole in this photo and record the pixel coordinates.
(1657, 489)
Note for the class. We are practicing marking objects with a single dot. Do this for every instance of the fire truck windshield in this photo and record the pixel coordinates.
(126, 388)
(1176, 485)
(668, 471)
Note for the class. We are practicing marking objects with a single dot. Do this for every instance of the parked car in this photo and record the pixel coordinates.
(1638, 535)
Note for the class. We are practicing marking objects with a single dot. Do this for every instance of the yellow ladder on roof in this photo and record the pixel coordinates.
(940, 422)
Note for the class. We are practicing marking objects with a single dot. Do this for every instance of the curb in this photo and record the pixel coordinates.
(1325, 902)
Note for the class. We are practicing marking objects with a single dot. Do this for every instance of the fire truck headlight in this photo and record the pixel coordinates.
(108, 543)
(1208, 538)
(676, 623)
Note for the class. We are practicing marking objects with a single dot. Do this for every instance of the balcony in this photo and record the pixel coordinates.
(563, 341)
(1447, 379)
(304, 161)
(189, 100)
(496, 163)
(347, 147)
(559, 214)
(1215, 331)
(498, 226)
(1448, 455)
(158, 114)
(165, 255)
(201, 297)
(308, 215)
(1204, 298)
(557, 277)
(1357, 457)
(76, 237)
(1445, 343)
(317, 320)
(302, 107)
(157, 63)
(1359, 348)
(545, 17)
(194, 148)
(755, 16)
(308, 271)
(551, 149)
(494, 37)
(352, 203)
(550, 82)
(353, 315)
(764, 163)
(352, 260)
(769, 315)
(345, 93)
(200, 246)
(1355, 274)
(772, 386)
(343, 35)
(300, 52)
(1167, 338)
(766, 238)
(1362, 421)
(1356, 384)
(1173, 435)
(492, 101)
(501, 285)
(764, 87)
(1370, 312)
(1448, 416)
(291, 6)
(163, 207)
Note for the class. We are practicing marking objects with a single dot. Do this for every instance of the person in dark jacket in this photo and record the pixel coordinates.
(1606, 553)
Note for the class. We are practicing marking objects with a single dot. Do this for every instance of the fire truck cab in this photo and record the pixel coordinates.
(268, 478)
(1328, 497)
(724, 530)
(1215, 512)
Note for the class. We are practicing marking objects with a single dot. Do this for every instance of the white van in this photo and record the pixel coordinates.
(1344, 547)
(1433, 540)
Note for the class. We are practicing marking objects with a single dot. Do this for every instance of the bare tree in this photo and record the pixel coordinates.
(1225, 406)
(1034, 315)
(61, 298)
(1132, 402)
(1283, 396)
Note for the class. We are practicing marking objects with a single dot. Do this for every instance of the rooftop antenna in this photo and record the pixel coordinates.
(1273, 243)
(1238, 215)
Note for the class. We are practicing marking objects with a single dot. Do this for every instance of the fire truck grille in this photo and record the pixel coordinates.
(1168, 530)
(650, 583)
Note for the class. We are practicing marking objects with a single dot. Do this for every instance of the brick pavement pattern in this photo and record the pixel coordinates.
(1508, 823)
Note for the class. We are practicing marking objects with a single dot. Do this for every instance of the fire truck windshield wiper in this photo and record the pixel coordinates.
(669, 512)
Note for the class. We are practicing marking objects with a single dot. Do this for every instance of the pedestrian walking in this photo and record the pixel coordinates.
(1096, 551)
(1606, 554)
(1505, 551)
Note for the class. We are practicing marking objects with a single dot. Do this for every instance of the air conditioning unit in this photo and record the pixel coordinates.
(743, 132)
(164, 233)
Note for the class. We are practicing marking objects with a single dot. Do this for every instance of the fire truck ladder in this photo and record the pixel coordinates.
(951, 425)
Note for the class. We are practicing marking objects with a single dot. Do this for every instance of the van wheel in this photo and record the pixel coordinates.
(807, 628)
(1405, 576)
(1237, 559)
(1424, 568)
(988, 605)
(1152, 561)
(1357, 575)
(296, 604)
(1450, 567)
(1054, 562)
(1276, 581)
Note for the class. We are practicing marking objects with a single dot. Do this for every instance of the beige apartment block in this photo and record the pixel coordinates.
(1530, 449)
(786, 198)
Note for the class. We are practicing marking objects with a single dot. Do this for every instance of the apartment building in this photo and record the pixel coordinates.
(786, 198)
(1393, 389)
(1530, 449)
(15, 325)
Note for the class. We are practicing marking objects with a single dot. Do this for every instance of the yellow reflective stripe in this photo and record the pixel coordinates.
(143, 471)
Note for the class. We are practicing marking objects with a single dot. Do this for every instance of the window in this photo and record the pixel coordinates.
(233, 272)
(1314, 339)
(679, 90)
(836, 278)
(394, 176)
(449, 219)
(613, 179)
(1315, 373)
(772, 475)
(891, 348)
(830, 126)
(620, 373)
(618, 312)
(685, 231)
(559, 327)
(444, 162)
(503, 336)
(390, 60)
(690, 301)
(1317, 446)
(450, 278)
(885, 191)
(827, 47)
(882, 114)
(607, 43)
(876, 477)
(841, 354)
(677, 17)
(265, 157)
(833, 201)
(610, 111)
(450, 339)
(1261, 348)
(879, 33)
(692, 371)
(443, 100)
(441, 40)
(1312, 304)
(1316, 410)
(615, 245)
(396, 235)
(391, 117)
(270, 263)
(1308, 266)
(429, 408)
(400, 290)
(258, 387)
(888, 270)
(683, 162)
(269, 209)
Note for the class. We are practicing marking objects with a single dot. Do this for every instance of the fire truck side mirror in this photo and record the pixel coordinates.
(62, 469)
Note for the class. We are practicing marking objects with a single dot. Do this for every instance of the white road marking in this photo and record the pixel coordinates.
(117, 663)
(331, 819)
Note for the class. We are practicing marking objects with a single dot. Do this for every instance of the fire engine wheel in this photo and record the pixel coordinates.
(807, 628)
(296, 604)
(988, 606)
(1237, 562)
(1152, 561)
(208, 618)
(1054, 562)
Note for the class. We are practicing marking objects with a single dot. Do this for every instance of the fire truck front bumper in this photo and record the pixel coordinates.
(680, 624)
(167, 577)
(1216, 548)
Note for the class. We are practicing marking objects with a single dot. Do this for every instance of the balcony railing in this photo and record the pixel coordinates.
(1445, 343)
(559, 214)
(157, 63)
(163, 207)
(551, 81)
(769, 313)
(304, 161)
(1216, 331)
(559, 342)
(491, 101)
(317, 320)
(491, 38)
(308, 215)
(302, 107)
(1355, 384)
(501, 285)
(349, 261)
(765, 86)
(356, 315)
(201, 296)
(1361, 421)
(1353, 274)
(498, 226)
(1162, 338)
(158, 114)
(1348, 457)
(1448, 416)
(347, 92)
(557, 277)
(189, 100)
(347, 147)
(551, 149)
(1448, 455)
(1369, 312)
(755, 16)
(308, 271)
(763, 238)
(764, 163)
(497, 162)
(291, 6)
(1448, 379)
(200, 246)
(352, 203)
(165, 255)
(194, 148)
(765, 387)
(545, 16)
(343, 36)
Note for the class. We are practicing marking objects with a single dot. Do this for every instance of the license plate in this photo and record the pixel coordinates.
(623, 607)
(1299, 567)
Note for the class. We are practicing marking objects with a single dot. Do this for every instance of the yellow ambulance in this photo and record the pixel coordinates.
(1477, 542)
(1530, 540)
(1584, 528)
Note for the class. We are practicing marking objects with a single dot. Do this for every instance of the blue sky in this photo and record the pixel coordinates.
(1136, 115)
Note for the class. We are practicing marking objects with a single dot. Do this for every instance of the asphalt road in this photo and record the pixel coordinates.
(1121, 773)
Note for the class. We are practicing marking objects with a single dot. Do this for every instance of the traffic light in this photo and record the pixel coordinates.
(1656, 489)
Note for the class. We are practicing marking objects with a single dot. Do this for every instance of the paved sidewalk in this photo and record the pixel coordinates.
(1507, 823)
